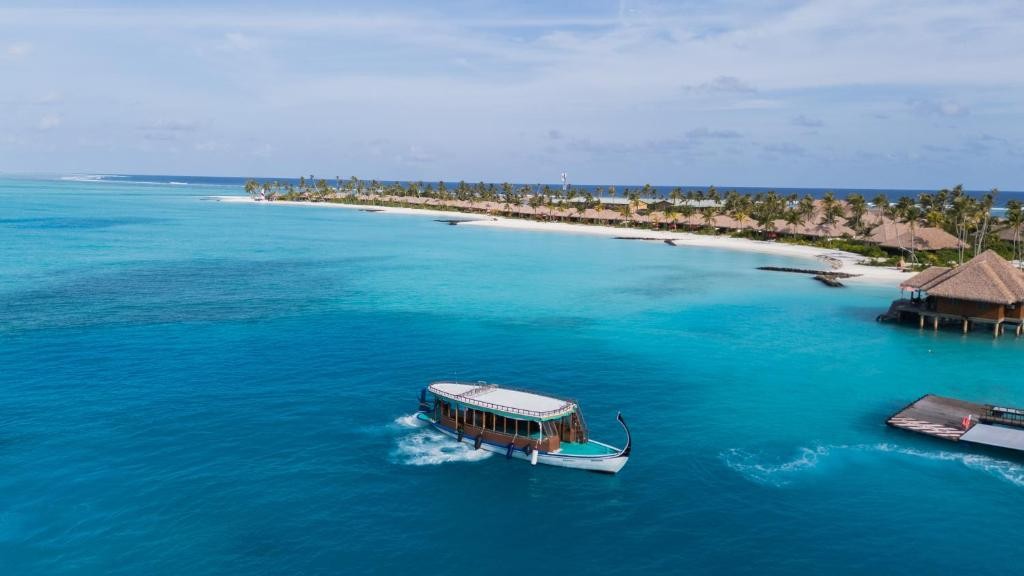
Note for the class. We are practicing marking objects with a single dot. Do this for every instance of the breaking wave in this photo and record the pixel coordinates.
(420, 445)
(90, 177)
(782, 473)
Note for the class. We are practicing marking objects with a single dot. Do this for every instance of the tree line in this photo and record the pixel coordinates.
(968, 218)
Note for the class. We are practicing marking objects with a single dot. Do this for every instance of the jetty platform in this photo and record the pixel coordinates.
(961, 421)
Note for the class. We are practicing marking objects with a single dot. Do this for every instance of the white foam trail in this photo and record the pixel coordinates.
(409, 421)
(424, 446)
(784, 472)
(1002, 469)
(772, 474)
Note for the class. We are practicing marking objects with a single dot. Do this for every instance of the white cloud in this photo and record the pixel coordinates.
(208, 146)
(723, 84)
(51, 97)
(806, 122)
(170, 126)
(239, 41)
(416, 154)
(939, 108)
(49, 122)
(434, 78)
(704, 133)
(19, 50)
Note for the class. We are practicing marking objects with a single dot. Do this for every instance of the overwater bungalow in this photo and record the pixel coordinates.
(987, 290)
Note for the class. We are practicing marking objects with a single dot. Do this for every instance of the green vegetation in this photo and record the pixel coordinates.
(851, 224)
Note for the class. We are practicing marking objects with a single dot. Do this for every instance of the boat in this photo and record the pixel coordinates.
(520, 424)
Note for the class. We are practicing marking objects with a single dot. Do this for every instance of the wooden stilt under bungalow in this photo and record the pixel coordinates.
(986, 291)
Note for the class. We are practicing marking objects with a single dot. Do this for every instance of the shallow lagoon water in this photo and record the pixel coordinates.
(212, 388)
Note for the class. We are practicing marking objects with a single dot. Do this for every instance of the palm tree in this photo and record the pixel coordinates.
(984, 220)
(880, 201)
(766, 210)
(688, 210)
(626, 213)
(828, 211)
(581, 207)
(858, 206)
(899, 214)
(634, 202)
(741, 208)
(708, 215)
(911, 215)
(793, 218)
(508, 195)
(535, 202)
(1015, 218)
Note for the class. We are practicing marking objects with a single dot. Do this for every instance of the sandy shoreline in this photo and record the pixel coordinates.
(867, 274)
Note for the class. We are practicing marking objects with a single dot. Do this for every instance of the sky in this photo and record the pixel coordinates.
(872, 94)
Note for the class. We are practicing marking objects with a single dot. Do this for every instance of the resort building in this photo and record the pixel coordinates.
(893, 235)
(987, 290)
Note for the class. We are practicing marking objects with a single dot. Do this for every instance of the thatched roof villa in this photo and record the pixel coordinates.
(985, 290)
(922, 238)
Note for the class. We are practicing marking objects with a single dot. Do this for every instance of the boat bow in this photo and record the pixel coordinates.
(629, 437)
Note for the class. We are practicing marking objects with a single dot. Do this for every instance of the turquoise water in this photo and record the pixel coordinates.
(190, 386)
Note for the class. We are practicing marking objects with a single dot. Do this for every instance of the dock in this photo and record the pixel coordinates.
(808, 271)
(961, 421)
(829, 280)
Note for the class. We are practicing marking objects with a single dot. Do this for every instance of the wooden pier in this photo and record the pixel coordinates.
(960, 421)
(832, 273)
(936, 416)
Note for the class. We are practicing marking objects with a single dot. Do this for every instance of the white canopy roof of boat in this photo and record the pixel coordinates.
(491, 397)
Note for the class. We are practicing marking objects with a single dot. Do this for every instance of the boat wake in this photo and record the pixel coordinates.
(408, 421)
(420, 445)
(785, 472)
(773, 474)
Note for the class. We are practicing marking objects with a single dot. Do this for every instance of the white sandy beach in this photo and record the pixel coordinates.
(848, 260)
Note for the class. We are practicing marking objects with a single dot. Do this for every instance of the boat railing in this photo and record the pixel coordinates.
(484, 386)
(511, 409)
(478, 390)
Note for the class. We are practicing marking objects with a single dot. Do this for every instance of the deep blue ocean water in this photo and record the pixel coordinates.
(199, 387)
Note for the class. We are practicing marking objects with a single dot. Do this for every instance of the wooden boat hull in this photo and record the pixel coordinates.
(608, 464)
